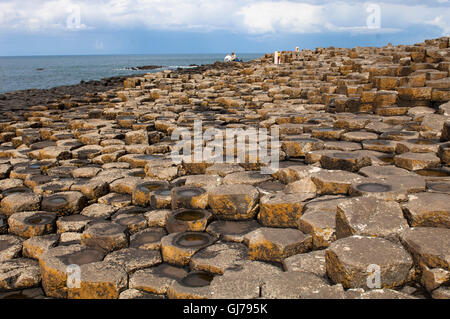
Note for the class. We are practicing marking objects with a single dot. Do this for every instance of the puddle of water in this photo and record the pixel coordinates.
(439, 187)
(83, 257)
(38, 220)
(189, 215)
(433, 173)
(374, 188)
(192, 240)
(198, 279)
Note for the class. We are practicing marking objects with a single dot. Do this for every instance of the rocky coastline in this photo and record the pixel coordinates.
(95, 205)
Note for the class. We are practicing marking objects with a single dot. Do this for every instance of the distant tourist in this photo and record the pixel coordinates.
(232, 58)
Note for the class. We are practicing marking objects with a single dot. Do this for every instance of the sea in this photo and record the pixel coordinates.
(44, 72)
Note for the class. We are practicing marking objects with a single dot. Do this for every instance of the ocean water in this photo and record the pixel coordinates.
(20, 73)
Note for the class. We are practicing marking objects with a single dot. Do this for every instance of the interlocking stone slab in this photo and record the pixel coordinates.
(430, 246)
(104, 235)
(64, 203)
(134, 222)
(72, 223)
(142, 192)
(349, 261)
(321, 225)
(394, 188)
(116, 200)
(137, 294)
(178, 248)
(313, 262)
(149, 238)
(20, 202)
(99, 211)
(273, 244)
(291, 285)
(132, 259)
(187, 220)
(218, 257)
(243, 282)
(189, 197)
(334, 182)
(234, 202)
(19, 273)
(369, 217)
(30, 224)
(194, 285)
(282, 210)
(385, 294)
(347, 161)
(416, 161)
(99, 280)
(10, 247)
(157, 217)
(54, 267)
(36, 246)
(157, 279)
(428, 210)
(232, 231)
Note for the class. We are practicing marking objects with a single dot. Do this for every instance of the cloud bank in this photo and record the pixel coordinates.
(248, 17)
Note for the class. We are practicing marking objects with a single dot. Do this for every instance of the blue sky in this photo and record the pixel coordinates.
(59, 27)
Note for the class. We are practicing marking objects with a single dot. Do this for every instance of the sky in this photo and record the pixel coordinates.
(72, 27)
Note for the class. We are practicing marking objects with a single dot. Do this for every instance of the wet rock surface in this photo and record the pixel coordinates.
(89, 187)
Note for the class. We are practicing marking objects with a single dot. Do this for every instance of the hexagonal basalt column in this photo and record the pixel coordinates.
(352, 260)
(65, 203)
(142, 193)
(234, 202)
(106, 236)
(20, 202)
(416, 161)
(282, 210)
(30, 224)
(275, 244)
(156, 279)
(178, 248)
(189, 197)
(346, 161)
(217, 258)
(334, 182)
(194, 285)
(429, 246)
(19, 273)
(55, 267)
(369, 217)
(132, 259)
(36, 246)
(99, 280)
(10, 247)
(428, 210)
(149, 238)
(187, 220)
(232, 231)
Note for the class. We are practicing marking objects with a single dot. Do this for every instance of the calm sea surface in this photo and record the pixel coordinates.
(19, 73)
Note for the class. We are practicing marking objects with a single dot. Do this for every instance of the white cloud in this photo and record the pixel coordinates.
(244, 16)
(284, 16)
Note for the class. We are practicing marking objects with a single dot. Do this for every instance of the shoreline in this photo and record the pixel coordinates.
(85, 91)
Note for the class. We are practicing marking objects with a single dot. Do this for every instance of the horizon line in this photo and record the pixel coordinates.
(112, 54)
